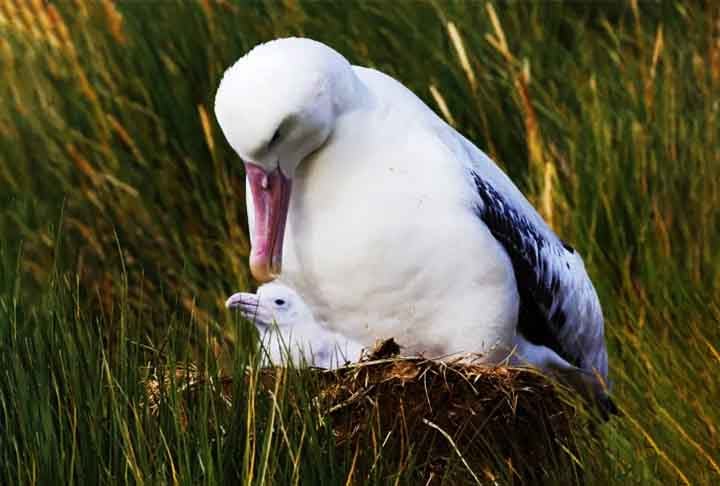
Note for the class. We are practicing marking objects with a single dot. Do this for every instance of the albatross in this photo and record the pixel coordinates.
(389, 222)
(289, 330)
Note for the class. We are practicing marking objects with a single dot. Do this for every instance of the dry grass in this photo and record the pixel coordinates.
(485, 422)
(448, 422)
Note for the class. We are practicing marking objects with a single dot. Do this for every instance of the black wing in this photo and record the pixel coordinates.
(559, 307)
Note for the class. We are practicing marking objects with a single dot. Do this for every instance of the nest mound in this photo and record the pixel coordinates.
(483, 421)
(449, 422)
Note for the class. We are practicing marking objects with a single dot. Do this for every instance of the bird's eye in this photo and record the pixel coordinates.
(279, 302)
(275, 137)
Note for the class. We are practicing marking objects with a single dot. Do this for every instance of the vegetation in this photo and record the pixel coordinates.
(123, 226)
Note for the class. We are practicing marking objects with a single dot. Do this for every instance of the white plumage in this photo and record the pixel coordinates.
(389, 222)
(289, 330)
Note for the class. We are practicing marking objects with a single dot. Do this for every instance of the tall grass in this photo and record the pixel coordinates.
(74, 412)
(122, 212)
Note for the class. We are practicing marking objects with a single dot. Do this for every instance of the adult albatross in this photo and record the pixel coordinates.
(389, 222)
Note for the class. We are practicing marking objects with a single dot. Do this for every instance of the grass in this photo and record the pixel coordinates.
(122, 221)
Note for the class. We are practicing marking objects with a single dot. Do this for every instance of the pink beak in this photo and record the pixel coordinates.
(271, 198)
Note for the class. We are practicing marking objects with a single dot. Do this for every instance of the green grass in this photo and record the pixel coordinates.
(123, 225)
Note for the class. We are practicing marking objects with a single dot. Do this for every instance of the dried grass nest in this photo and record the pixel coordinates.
(480, 420)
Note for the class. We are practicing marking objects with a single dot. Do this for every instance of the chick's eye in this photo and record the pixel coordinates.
(279, 302)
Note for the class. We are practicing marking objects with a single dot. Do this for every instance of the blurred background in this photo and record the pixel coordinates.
(117, 185)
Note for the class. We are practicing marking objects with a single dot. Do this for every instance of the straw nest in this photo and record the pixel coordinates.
(474, 423)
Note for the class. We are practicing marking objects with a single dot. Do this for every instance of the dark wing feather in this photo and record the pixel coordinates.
(559, 307)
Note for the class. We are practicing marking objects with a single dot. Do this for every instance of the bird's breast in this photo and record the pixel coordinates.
(382, 244)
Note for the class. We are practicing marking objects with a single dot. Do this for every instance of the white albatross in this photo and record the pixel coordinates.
(389, 222)
(289, 330)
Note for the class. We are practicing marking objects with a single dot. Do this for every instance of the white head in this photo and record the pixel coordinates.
(276, 106)
(273, 304)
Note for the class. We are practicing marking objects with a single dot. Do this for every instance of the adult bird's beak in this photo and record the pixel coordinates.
(271, 198)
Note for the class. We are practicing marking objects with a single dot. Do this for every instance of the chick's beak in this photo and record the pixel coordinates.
(250, 307)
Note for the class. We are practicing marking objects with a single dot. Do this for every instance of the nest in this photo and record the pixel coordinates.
(482, 421)
(450, 421)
